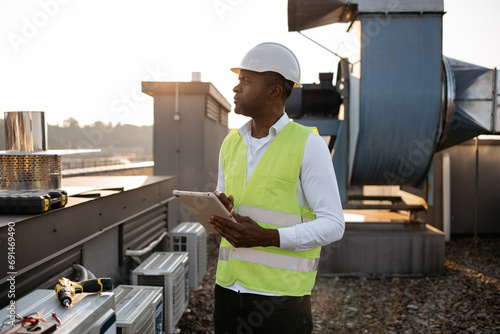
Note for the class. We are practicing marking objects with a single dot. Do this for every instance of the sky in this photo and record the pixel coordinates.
(86, 59)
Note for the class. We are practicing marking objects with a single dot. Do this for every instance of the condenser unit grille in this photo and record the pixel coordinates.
(138, 309)
(147, 326)
(178, 295)
(201, 258)
(191, 237)
(151, 280)
(172, 310)
(170, 271)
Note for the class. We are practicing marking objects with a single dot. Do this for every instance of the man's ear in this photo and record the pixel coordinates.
(275, 91)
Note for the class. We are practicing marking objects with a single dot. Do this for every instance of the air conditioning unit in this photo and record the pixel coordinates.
(139, 309)
(168, 270)
(90, 314)
(191, 238)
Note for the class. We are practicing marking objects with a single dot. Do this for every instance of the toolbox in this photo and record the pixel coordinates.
(32, 201)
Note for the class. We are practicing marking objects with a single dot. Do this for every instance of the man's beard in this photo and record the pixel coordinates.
(252, 107)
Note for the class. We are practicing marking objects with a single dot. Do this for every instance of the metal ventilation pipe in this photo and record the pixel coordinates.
(471, 106)
(27, 165)
(25, 131)
(196, 76)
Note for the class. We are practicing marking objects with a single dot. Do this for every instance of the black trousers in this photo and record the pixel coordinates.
(247, 313)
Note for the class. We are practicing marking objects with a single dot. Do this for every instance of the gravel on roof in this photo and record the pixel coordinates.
(466, 299)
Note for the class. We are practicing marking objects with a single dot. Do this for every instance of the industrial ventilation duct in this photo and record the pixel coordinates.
(402, 99)
(471, 102)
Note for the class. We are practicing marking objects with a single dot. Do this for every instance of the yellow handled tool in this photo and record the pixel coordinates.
(66, 289)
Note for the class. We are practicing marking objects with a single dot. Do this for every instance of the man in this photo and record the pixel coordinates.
(277, 177)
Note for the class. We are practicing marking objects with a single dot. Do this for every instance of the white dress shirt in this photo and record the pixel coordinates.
(316, 190)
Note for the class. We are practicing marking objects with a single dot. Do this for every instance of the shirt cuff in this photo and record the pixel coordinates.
(288, 238)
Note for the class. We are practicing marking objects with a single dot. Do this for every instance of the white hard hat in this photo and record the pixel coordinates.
(271, 57)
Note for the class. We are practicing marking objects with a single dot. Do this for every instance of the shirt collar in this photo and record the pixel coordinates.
(246, 129)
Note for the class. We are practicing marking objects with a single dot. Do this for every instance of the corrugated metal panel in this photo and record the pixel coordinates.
(400, 99)
(213, 109)
(143, 229)
(496, 108)
(43, 276)
(382, 249)
(399, 6)
(216, 112)
(469, 214)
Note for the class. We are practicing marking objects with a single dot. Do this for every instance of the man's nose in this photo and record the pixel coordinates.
(237, 88)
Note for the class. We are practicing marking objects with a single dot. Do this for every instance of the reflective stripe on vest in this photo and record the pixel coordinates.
(224, 253)
(274, 260)
(271, 217)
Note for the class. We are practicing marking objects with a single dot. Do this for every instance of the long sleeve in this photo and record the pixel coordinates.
(318, 191)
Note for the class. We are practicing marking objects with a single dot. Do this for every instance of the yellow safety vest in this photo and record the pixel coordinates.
(270, 199)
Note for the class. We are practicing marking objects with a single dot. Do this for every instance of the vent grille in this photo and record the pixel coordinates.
(192, 237)
(170, 271)
(151, 280)
(147, 325)
(140, 232)
(179, 287)
(201, 257)
(169, 308)
(43, 276)
(137, 308)
(30, 172)
(216, 112)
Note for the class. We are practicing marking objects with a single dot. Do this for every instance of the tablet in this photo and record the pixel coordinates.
(203, 204)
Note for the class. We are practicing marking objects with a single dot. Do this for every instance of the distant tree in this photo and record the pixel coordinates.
(71, 123)
(101, 125)
(106, 137)
(71, 135)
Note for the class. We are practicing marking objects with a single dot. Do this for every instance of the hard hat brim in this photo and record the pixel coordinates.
(237, 70)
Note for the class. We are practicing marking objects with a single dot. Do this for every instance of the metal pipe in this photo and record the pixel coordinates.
(446, 196)
(25, 131)
(177, 116)
(136, 253)
(495, 102)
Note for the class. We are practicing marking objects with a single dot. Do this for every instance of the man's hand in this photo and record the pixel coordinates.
(245, 234)
(227, 201)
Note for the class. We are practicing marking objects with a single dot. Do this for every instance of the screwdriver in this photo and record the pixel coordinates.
(66, 289)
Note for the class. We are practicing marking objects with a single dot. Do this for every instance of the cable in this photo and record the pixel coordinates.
(31, 319)
(324, 47)
(19, 320)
